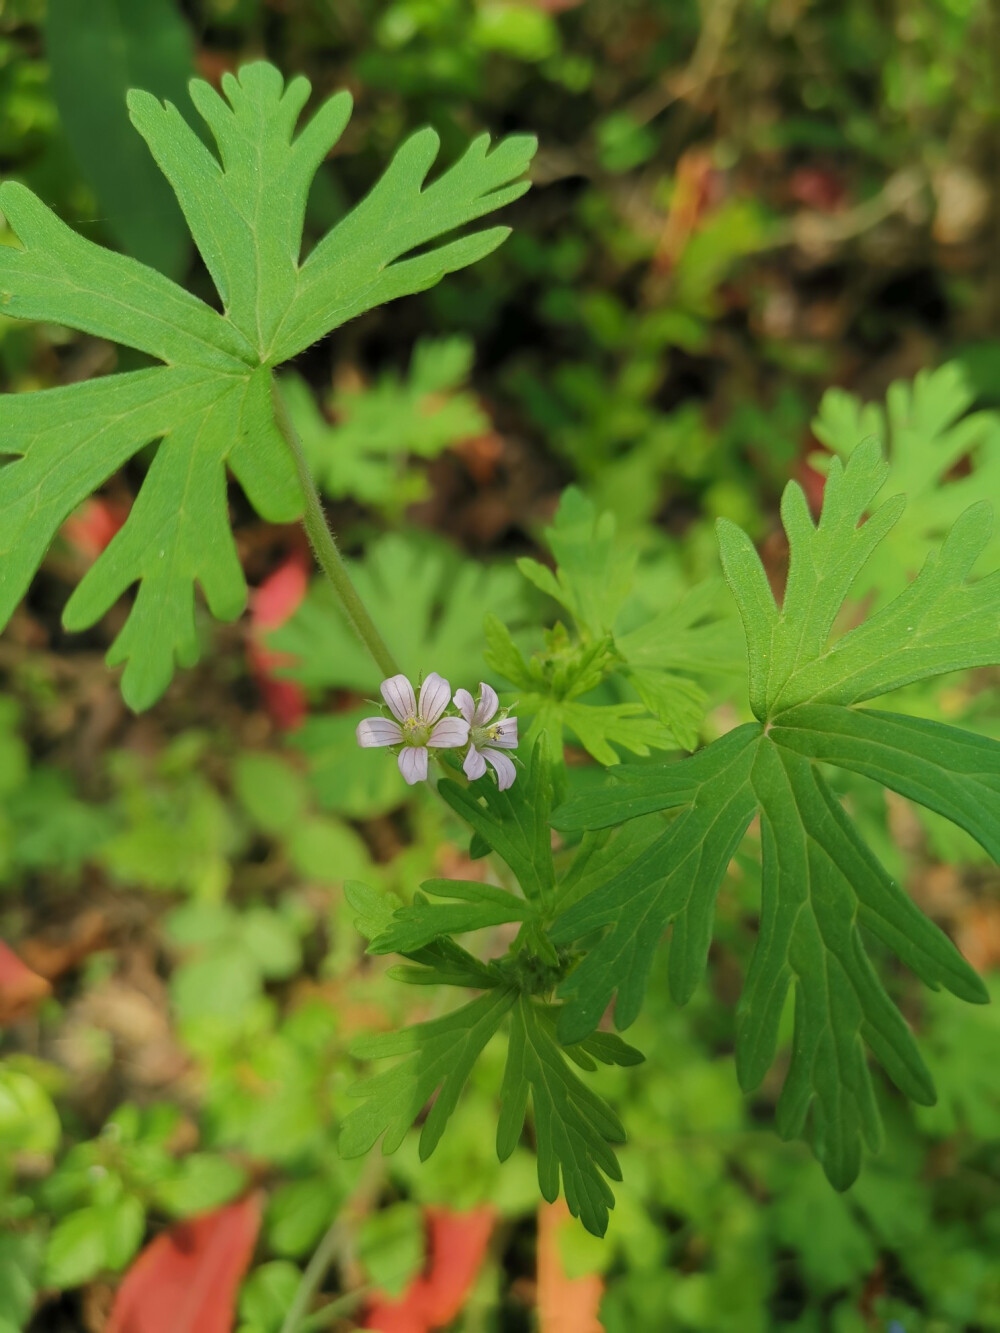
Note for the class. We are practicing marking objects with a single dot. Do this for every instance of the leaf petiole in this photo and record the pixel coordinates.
(324, 547)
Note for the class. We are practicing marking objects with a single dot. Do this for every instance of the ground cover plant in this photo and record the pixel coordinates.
(614, 771)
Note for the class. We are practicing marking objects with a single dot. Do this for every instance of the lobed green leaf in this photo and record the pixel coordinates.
(209, 408)
(822, 888)
(440, 1055)
(476, 907)
(573, 1125)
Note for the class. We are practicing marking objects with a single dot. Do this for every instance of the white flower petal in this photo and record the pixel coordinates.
(374, 731)
(489, 702)
(413, 763)
(506, 736)
(398, 694)
(475, 764)
(465, 704)
(448, 732)
(506, 772)
(435, 694)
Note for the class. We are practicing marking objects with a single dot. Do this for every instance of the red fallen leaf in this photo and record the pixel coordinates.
(90, 529)
(280, 595)
(187, 1279)
(271, 605)
(565, 1304)
(284, 700)
(456, 1244)
(20, 988)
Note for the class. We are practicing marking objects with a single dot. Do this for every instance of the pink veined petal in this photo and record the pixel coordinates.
(413, 763)
(465, 704)
(398, 694)
(506, 772)
(435, 694)
(374, 731)
(489, 702)
(506, 736)
(475, 764)
(449, 731)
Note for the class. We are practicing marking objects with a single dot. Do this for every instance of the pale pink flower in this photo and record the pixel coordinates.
(485, 735)
(416, 726)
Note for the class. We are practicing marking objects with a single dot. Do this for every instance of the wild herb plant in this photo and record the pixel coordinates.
(211, 404)
(585, 916)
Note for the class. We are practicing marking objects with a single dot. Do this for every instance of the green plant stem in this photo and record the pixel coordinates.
(332, 1313)
(321, 539)
(337, 1241)
(314, 1274)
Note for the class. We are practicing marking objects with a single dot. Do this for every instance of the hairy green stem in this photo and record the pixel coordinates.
(321, 539)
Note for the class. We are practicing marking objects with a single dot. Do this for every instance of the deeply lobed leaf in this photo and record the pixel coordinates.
(940, 622)
(209, 407)
(675, 879)
(573, 1125)
(822, 888)
(943, 459)
(473, 906)
(440, 1055)
(617, 637)
(594, 572)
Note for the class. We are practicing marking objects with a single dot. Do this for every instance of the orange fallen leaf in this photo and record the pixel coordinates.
(978, 935)
(187, 1279)
(696, 192)
(20, 988)
(457, 1244)
(565, 1304)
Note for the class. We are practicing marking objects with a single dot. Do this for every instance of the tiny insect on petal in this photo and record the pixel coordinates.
(373, 731)
(398, 694)
(413, 763)
(449, 731)
(435, 694)
(506, 734)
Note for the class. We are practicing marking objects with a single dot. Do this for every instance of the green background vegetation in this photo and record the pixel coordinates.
(749, 220)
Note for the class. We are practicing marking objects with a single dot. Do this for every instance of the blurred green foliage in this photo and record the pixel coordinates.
(745, 215)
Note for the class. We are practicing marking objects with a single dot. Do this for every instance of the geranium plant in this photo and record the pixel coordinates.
(588, 880)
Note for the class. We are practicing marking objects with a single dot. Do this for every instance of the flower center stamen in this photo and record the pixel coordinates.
(415, 731)
(484, 735)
